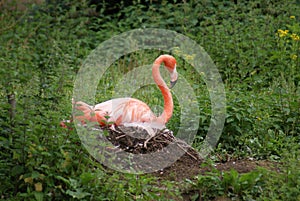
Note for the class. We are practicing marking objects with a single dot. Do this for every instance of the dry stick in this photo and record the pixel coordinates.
(118, 137)
(186, 151)
(167, 140)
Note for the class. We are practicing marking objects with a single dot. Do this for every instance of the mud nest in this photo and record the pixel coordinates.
(137, 140)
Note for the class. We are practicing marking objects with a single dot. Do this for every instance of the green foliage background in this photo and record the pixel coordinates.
(42, 48)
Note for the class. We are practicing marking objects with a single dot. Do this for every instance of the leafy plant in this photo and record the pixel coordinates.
(253, 43)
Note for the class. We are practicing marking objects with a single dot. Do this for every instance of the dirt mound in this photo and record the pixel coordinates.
(157, 148)
(137, 140)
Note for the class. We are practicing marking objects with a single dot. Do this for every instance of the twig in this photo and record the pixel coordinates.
(186, 151)
(120, 136)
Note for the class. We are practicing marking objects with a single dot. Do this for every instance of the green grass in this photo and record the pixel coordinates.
(41, 51)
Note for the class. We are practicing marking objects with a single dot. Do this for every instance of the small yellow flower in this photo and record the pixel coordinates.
(38, 187)
(292, 17)
(189, 57)
(294, 57)
(295, 37)
(28, 180)
(282, 33)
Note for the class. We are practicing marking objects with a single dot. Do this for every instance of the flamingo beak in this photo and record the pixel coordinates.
(174, 78)
(172, 84)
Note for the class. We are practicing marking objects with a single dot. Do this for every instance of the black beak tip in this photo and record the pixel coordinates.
(172, 84)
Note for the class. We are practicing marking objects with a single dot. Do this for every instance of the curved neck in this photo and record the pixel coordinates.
(168, 100)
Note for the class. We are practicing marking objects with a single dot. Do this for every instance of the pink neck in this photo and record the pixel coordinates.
(168, 101)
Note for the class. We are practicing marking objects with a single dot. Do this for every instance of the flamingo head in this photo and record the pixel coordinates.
(170, 64)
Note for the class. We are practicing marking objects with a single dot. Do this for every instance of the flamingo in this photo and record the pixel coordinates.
(131, 111)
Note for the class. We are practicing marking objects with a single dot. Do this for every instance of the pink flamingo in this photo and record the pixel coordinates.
(131, 111)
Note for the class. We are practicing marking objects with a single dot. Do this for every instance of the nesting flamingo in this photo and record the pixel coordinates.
(131, 111)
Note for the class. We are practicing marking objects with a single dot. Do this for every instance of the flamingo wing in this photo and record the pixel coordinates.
(124, 110)
(136, 111)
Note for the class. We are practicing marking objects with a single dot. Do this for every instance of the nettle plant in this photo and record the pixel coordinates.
(287, 82)
(289, 50)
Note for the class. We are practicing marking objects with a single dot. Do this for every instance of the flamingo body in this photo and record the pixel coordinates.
(124, 111)
(119, 111)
